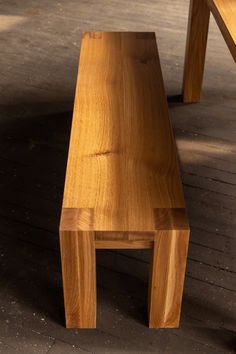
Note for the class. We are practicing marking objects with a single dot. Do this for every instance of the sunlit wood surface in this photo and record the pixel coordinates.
(39, 62)
(122, 162)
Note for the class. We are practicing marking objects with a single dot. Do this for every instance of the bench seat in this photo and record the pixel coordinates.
(123, 187)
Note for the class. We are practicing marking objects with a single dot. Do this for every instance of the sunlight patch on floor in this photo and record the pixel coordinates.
(9, 22)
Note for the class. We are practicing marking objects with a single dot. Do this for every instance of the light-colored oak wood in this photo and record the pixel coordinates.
(167, 278)
(79, 278)
(198, 24)
(164, 219)
(122, 180)
(224, 12)
(124, 236)
(124, 240)
(122, 158)
(114, 244)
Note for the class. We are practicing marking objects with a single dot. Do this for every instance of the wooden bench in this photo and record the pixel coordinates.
(224, 12)
(123, 187)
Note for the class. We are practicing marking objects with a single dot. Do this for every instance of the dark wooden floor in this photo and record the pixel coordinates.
(39, 49)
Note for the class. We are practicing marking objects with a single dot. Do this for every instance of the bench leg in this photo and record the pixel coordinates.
(167, 278)
(79, 278)
(198, 24)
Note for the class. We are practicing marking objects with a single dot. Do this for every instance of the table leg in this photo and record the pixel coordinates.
(198, 24)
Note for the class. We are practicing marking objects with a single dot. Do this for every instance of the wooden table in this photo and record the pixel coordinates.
(224, 12)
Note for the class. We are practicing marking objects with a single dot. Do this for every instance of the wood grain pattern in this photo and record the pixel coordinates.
(167, 278)
(75, 219)
(171, 219)
(120, 244)
(79, 278)
(198, 24)
(224, 12)
(122, 158)
(44, 102)
(122, 180)
(124, 240)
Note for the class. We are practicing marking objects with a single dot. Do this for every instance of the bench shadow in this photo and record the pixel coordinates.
(33, 162)
(121, 290)
(175, 99)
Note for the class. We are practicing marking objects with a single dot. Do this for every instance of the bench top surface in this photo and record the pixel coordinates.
(122, 169)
